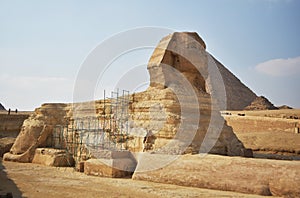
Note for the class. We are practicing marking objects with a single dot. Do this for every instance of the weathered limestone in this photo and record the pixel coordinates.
(181, 107)
(53, 157)
(255, 176)
(110, 164)
(186, 52)
(36, 131)
(268, 135)
(180, 89)
(165, 120)
(250, 124)
(10, 125)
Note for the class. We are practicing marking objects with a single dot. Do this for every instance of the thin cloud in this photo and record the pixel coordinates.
(280, 67)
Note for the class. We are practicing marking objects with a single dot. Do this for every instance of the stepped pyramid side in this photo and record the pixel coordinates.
(238, 95)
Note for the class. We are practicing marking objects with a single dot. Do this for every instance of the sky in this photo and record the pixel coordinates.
(43, 44)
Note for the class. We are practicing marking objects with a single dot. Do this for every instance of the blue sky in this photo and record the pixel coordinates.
(43, 43)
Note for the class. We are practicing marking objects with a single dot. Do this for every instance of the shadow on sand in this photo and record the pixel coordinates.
(8, 188)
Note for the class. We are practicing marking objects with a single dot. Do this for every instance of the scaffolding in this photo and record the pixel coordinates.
(107, 130)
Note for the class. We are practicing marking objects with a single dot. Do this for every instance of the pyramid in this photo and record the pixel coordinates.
(238, 94)
(261, 103)
(1, 107)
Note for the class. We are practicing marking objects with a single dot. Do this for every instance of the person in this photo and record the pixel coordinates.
(9, 111)
(16, 110)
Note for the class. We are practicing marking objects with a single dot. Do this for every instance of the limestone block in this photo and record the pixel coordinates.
(287, 186)
(109, 154)
(53, 157)
(120, 167)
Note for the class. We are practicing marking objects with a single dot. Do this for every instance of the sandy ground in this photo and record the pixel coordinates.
(270, 113)
(32, 180)
(14, 113)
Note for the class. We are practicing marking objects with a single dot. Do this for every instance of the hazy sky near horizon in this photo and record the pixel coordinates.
(44, 43)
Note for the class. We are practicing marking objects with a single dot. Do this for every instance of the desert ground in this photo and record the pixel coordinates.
(32, 180)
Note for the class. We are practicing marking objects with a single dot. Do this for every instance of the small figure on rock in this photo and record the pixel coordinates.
(9, 111)
(16, 110)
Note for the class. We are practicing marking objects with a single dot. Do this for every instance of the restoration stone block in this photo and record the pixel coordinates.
(115, 168)
(53, 157)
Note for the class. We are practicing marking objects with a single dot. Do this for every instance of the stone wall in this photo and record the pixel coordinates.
(246, 175)
(249, 124)
(269, 137)
(10, 125)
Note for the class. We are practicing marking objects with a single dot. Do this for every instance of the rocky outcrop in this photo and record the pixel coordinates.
(36, 132)
(261, 103)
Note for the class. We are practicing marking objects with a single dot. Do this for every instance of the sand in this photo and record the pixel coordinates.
(32, 180)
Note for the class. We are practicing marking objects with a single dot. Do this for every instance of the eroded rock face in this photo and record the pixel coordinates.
(186, 53)
(5, 144)
(36, 131)
(180, 108)
(182, 84)
(10, 125)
